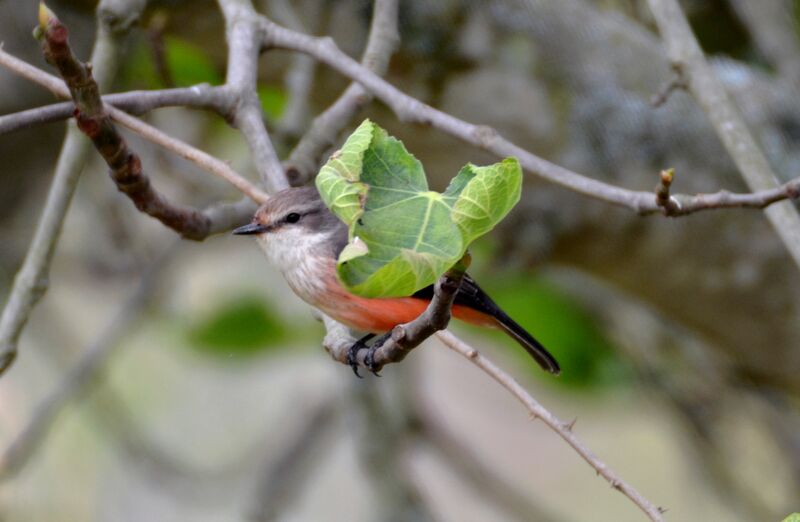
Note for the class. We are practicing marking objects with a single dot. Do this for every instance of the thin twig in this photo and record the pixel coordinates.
(681, 367)
(31, 280)
(153, 134)
(303, 162)
(380, 424)
(201, 96)
(198, 157)
(484, 480)
(772, 27)
(563, 429)
(244, 48)
(282, 479)
(94, 121)
(639, 201)
(677, 83)
(81, 376)
(410, 109)
(683, 49)
(299, 78)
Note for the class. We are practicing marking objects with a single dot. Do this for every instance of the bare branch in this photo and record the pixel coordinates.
(677, 83)
(410, 109)
(244, 47)
(303, 162)
(724, 199)
(381, 424)
(282, 479)
(201, 96)
(563, 429)
(31, 281)
(772, 26)
(94, 121)
(82, 375)
(299, 77)
(484, 480)
(193, 154)
(226, 216)
(202, 159)
(684, 50)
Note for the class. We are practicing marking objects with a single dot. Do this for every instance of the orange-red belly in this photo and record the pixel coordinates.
(381, 315)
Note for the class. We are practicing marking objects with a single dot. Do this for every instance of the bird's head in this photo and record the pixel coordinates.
(295, 223)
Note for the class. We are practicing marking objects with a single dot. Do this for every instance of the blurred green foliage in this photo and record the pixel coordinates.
(273, 101)
(794, 517)
(186, 64)
(586, 357)
(242, 327)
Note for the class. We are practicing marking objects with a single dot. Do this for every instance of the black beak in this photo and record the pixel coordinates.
(251, 228)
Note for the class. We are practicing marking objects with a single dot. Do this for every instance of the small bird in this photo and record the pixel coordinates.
(303, 239)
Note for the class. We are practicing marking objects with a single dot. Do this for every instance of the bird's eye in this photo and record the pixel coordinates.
(294, 217)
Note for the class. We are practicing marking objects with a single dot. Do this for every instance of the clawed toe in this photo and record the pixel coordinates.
(352, 353)
(369, 361)
(352, 357)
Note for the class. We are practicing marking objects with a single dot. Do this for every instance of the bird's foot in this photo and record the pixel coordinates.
(369, 360)
(352, 353)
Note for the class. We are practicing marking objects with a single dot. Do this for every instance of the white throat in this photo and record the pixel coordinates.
(302, 258)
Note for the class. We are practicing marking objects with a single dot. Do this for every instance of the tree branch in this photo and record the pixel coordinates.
(282, 479)
(380, 423)
(563, 429)
(299, 78)
(410, 109)
(484, 480)
(201, 96)
(684, 50)
(244, 48)
(31, 281)
(193, 154)
(772, 26)
(94, 121)
(303, 162)
(80, 376)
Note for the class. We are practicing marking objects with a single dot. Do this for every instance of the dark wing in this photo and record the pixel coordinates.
(471, 296)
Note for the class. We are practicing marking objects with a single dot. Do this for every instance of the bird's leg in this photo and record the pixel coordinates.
(369, 360)
(352, 353)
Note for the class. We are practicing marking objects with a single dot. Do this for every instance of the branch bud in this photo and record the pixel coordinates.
(46, 16)
(666, 176)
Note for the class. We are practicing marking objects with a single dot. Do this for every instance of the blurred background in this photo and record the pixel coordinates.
(209, 397)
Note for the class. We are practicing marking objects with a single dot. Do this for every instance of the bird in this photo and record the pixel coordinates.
(302, 238)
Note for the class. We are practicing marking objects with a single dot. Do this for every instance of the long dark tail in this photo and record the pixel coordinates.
(527, 341)
(471, 296)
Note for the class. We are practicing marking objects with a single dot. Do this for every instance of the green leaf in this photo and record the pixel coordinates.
(482, 196)
(403, 236)
(794, 517)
